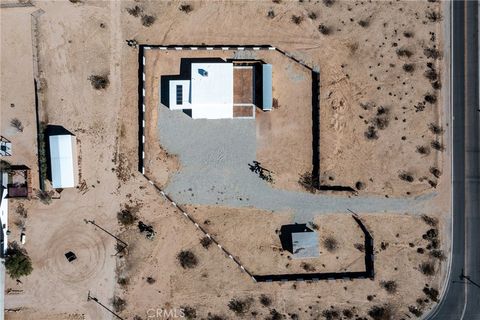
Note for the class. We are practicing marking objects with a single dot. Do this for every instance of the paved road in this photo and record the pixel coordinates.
(462, 297)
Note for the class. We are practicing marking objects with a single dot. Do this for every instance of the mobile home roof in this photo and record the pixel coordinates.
(61, 161)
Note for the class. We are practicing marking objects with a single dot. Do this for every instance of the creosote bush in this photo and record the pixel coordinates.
(437, 145)
(364, 23)
(126, 217)
(296, 19)
(371, 133)
(17, 124)
(328, 3)
(381, 312)
(271, 14)
(206, 242)
(408, 67)
(435, 128)
(402, 52)
(186, 8)
(240, 306)
(99, 82)
(428, 268)
(312, 15)
(423, 150)
(406, 176)
(390, 286)
(436, 172)
(135, 11)
(431, 293)
(431, 53)
(118, 304)
(189, 312)
(324, 29)
(148, 20)
(330, 243)
(265, 300)
(187, 259)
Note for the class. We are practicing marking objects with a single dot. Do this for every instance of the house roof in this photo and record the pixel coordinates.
(211, 90)
(62, 161)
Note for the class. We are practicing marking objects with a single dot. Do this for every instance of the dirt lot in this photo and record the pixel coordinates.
(87, 38)
(18, 94)
(210, 285)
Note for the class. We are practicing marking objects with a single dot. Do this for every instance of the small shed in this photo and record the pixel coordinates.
(299, 240)
(63, 159)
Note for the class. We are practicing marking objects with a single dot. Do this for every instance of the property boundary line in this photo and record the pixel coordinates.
(369, 252)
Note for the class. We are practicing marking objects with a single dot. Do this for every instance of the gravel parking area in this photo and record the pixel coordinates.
(214, 157)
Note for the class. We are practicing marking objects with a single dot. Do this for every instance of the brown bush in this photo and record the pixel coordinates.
(125, 217)
(425, 150)
(271, 14)
(431, 53)
(240, 306)
(118, 304)
(437, 145)
(371, 133)
(206, 242)
(436, 172)
(324, 29)
(187, 259)
(189, 312)
(402, 52)
(185, 8)
(435, 128)
(296, 19)
(364, 23)
(99, 82)
(408, 67)
(148, 20)
(17, 124)
(135, 11)
(328, 3)
(381, 312)
(390, 286)
(427, 268)
(312, 15)
(265, 300)
(331, 244)
(406, 176)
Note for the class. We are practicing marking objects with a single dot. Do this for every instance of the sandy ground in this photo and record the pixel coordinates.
(78, 40)
(17, 94)
(215, 280)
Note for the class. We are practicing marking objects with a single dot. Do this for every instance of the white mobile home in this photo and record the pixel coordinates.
(63, 160)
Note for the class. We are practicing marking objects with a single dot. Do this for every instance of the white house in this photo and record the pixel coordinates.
(63, 160)
(217, 90)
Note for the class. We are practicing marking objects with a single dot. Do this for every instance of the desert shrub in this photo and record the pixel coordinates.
(415, 311)
(313, 225)
(296, 19)
(431, 74)
(364, 23)
(277, 1)
(406, 176)
(436, 172)
(435, 128)
(381, 312)
(331, 314)
(408, 34)
(347, 313)
(381, 122)
(430, 98)
(240, 306)
(428, 268)
(330, 243)
(359, 246)
(312, 15)
(371, 133)
(307, 267)
(45, 197)
(408, 67)
(402, 52)
(309, 182)
(151, 280)
(125, 217)
(423, 150)
(215, 317)
(324, 29)
(22, 212)
(17, 124)
(429, 220)
(433, 16)
(271, 14)
(438, 254)
(390, 286)
(431, 234)
(431, 53)
(99, 82)
(436, 85)
(420, 250)
(189, 312)
(148, 20)
(123, 281)
(431, 293)
(432, 183)
(265, 300)
(359, 185)
(17, 262)
(274, 315)
(135, 11)
(118, 304)
(187, 259)
(437, 145)
(206, 242)
(185, 8)
(328, 3)
(419, 107)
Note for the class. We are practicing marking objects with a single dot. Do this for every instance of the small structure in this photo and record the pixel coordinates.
(5, 147)
(220, 89)
(19, 182)
(300, 240)
(3, 212)
(63, 158)
(70, 256)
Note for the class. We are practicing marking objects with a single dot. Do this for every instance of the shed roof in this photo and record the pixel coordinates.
(305, 245)
(62, 164)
